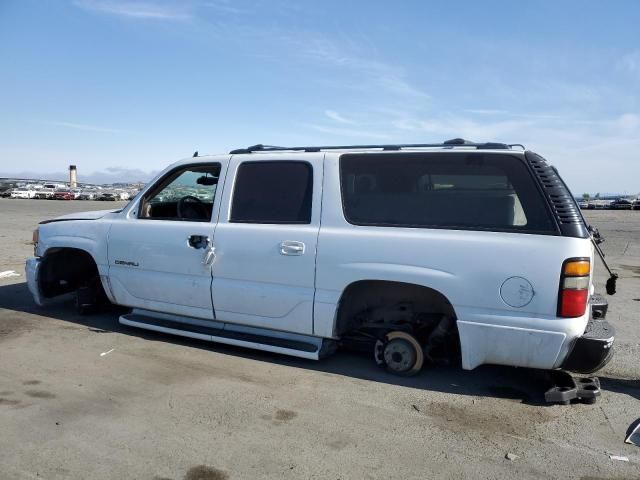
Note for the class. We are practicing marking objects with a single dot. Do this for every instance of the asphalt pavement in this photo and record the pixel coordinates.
(86, 398)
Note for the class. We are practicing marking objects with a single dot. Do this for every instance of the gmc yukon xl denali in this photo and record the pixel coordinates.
(417, 254)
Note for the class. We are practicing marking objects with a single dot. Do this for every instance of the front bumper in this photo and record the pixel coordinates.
(32, 270)
(593, 350)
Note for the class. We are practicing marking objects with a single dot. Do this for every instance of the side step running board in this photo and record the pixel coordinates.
(299, 346)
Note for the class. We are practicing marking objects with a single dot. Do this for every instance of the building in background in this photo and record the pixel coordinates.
(73, 176)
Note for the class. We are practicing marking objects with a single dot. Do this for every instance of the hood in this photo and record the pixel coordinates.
(92, 215)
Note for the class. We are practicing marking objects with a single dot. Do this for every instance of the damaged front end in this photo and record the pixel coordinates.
(32, 270)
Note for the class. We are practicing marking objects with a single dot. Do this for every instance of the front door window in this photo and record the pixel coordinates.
(185, 194)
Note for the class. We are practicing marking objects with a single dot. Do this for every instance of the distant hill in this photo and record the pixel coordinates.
(109, 175)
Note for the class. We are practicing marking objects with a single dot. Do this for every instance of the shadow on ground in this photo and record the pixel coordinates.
(518, 384)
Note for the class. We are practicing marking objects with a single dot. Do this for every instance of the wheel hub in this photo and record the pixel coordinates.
(400, 352)
(399, 355)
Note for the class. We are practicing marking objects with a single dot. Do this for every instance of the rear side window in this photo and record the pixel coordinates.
(273, 192)
(453, 190)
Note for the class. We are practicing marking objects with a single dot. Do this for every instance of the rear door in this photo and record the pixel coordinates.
(265, 243)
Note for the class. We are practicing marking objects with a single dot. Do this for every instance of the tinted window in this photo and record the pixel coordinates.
(273, 192)
(465, 190)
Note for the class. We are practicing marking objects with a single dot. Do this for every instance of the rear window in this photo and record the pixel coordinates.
(453, 190)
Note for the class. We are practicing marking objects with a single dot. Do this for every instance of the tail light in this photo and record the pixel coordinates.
(574, 287)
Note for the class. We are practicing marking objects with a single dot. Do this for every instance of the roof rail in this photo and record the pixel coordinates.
(456, 142)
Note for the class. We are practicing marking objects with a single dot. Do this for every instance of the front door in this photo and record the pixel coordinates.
(264, 269)
(160, 255)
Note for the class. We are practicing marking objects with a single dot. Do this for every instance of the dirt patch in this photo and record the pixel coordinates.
(509, 393)
(632, 268)
(167, 370)
(285, 415)
(40, 394)
(11, 327)
(202, 472)
(338, 444)
(31, 382)
(506, 419)
(7, 401)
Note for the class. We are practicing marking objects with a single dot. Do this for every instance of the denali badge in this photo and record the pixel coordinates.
(126, 264)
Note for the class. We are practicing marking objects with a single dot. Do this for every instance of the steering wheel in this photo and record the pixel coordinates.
(192, 207)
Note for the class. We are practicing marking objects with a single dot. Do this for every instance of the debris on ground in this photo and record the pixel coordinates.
(107, 353)
(634, 435)
(619, 458)
(511, 456)
(9, 274)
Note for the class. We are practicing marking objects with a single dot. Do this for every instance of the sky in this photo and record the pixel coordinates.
(123, 88)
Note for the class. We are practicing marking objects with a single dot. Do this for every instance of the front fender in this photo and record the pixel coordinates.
(90, 236)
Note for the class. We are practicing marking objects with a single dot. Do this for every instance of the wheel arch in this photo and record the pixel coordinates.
(384, 291)
(64, 269)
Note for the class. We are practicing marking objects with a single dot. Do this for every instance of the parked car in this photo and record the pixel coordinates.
(122, 195)
(584, 204)
(416, 254)
(44, 193)
(108, 197)
(22, 193)
(47, 191)
(86, 195)
(622, 204)
(636, 204)
(63, 194)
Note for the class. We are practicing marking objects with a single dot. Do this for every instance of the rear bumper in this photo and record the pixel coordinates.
(593, 350)
(32, 270)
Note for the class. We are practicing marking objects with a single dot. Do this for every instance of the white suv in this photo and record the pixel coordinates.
(415, 253)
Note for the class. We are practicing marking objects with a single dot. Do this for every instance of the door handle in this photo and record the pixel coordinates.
(198, 241)
(291, 247)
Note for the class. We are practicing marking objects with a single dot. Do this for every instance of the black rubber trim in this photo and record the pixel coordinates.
(223, 333)
(593, 350)
(599, 306)
(559, 198)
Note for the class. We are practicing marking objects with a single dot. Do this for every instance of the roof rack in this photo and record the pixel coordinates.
(456, 142)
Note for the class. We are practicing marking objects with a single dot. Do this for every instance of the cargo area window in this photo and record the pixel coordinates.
(435, 190)
(273, 192)
(185, 194)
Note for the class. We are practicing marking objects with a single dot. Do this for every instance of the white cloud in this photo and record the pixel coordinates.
(592, 154)
(630, 62)
(80, 126)
(337, 117)
(629, 121)
(134, 9)
(486, 111)
(348, 132)
(384, 76)
(224, 6)
(463, 127)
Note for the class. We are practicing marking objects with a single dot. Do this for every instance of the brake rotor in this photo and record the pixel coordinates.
(400, 353)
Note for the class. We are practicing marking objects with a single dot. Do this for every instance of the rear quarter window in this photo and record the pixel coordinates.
(434, 190)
